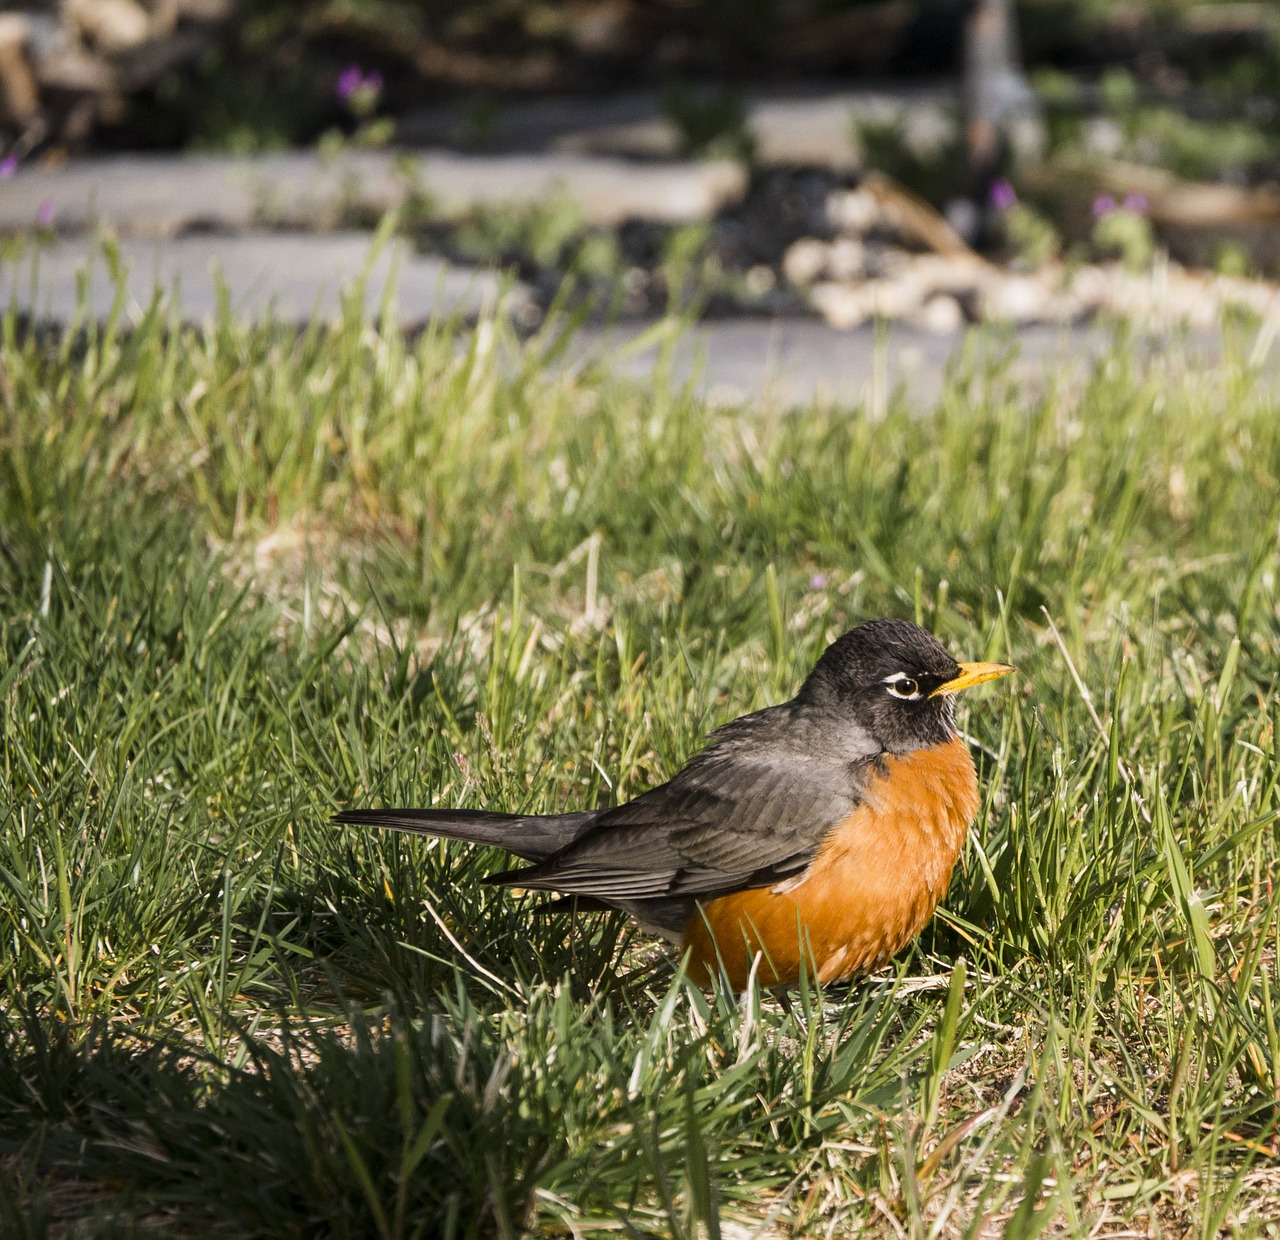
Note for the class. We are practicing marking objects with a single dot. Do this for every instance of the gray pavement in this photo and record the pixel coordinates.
(163, 210)
(795, 362)
(816, 126)
(160, 196)
(297, 277)
(292, 277)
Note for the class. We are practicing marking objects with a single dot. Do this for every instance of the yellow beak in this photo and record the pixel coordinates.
(972, 674)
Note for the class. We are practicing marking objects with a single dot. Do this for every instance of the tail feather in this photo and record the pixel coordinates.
(530, 836)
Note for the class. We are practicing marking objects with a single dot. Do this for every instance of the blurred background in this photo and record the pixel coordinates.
(932, 163)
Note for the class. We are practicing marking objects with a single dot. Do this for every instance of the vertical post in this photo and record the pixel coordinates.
(995, 91)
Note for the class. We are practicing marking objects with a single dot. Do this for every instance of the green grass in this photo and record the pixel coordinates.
(247, 577)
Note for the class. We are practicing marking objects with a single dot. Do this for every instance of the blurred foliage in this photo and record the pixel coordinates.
(1231, 259)
(1125, 235)
(542, 234)
(1030, 236)
(927, 159)
(710, 122)
(1190, 87)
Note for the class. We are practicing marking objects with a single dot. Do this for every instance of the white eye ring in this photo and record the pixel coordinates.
(902, 686)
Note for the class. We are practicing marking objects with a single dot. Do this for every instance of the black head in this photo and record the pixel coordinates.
(896, 681)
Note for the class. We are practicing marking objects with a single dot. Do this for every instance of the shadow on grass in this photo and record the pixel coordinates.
(402, 929)
(457, 1123)
(433, 1127)
(355, 1130)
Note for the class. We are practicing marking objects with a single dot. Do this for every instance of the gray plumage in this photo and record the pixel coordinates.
(750, 810)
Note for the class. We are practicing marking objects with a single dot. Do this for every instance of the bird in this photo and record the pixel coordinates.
(816, 836)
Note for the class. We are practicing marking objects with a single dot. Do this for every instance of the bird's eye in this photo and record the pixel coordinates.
(903, 687)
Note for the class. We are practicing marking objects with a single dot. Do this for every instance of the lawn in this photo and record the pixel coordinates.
(249, 576)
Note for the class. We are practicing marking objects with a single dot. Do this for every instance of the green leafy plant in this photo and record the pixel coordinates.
(1032, 236)
(1123, 233)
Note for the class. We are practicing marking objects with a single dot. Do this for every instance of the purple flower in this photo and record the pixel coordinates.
(353, 82)
(44, 213)
(349, 81)
(1137, 203)
(818, 581)
(1103, 204)
(8, 166)
(1003, 195)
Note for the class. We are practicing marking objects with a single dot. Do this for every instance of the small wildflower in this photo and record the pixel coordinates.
(44, 213)
(1137, 203)
(358, 90)
(8, 166)
(349, 81)
(1103, 204)
(818, 581)
(1003, 195)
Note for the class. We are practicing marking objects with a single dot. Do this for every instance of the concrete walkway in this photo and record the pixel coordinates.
(294, 278)
(265, 234)
(291, 277)
(795, 362)
(817, 126)
(160, 196)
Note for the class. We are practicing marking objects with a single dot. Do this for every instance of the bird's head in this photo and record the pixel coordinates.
(897, 681)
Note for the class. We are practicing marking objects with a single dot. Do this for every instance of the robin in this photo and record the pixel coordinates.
(820, 833)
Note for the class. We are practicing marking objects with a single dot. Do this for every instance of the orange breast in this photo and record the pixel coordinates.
(872, 886)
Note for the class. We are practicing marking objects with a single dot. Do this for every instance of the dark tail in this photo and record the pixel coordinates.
(527, 835)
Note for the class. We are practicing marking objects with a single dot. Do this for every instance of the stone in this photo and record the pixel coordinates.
(1017, 299)
(1103, 136)
(841, 305)
(816, 130)
(760, 280)
(853, 212)
(941, 314)
(805, 260)
(1170, 295)
(848, 305)
(846, 259)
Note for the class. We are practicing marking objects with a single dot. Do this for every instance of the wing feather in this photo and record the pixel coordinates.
(750, 810)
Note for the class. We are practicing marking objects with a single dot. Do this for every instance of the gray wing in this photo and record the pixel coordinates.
(751, 810)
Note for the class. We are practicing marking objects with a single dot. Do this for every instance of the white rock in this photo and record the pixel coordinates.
(847, 305)
(13, 29)
(842, 305)
(938, 273)
(846, 259)
(852, 211)
(893, 299)
(1016, 299)
(941, 315)
(805, 260)
(760, 280)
